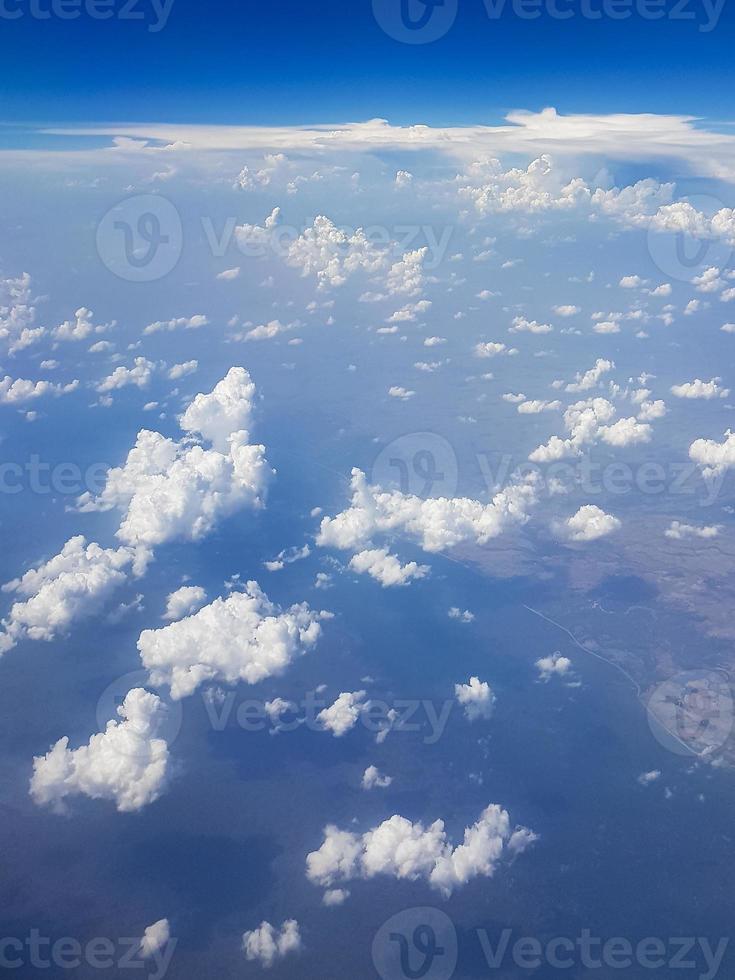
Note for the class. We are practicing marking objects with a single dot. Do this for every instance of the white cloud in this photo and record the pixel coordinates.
(72, 585)
(464, 616)
(536, 406)
(567, 310)
(678, 531)
(714, 457)
(589, 524)
(81, 327)
(386, 568)
(522, 325)
(555, 665)
(155, 937)
(138, 376)
(178, 323)
(170, 490)
(590, 379)
(476, 697)
(646, 778)
(127, 763)
(182, 370)
(266, 944)
(396, 391)
(700, 389)
(244, 637)
(372, 778)
(493, 349)
(227, 275)
(184, 601)
(18, 391)
(400, 849)
(18, 314)
(436, 524)
(342, 716)
(631, 282)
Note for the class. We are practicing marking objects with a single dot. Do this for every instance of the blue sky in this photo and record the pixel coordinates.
(293, 62)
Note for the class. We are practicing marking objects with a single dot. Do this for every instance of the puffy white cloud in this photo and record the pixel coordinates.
(700, 389)
(287, 557)
(127, 763)
(522, 325)
(631, 282)
(567, 310)
(178, 323)
(650, 411)
(396, 391)
(81, 327)
(169, 490)
(155, 937)
(183, 370)
(73, 584)
(18, 314)
(398, 848)
(555, 665)
(678, 531)
(535, 189)
(536, 406)
(342, 716)
(709, 281)
(184, 601)
(588, 422)
(372, 778)
(138, 376)
(227, 275)
(436, 523)
(266, 944)
(714, 457)
(646, 778)
(386, 568)
(589, 524)
(607, 326)
(590, 379)
(18, 391)
(244, 637)
(476, 697)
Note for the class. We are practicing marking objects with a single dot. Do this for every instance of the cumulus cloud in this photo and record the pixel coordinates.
(714, 458)
(591, 379)
(700, 389)
(177, 323)
(183, 370)
(464, 616)
(81, 327)
(155, 937)
(342, 716)
(18, 314)
(400, 849)
(522, 325)
(127, 763)
(589, 524)
(476, 697)
(18, 391)
(678, 531)
(138, 376)
(266, 945)
(244, 637)
(588, 422)
(435, 524)
(169, 490)
(386, 568)
(184, 601)
(372, 778)
(70, 586)
(555, 665)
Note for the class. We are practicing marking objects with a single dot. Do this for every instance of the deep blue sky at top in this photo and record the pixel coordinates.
(286, 61)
